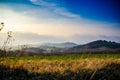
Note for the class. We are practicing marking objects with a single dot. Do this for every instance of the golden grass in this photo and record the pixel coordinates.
(94, 67)
(61, 66)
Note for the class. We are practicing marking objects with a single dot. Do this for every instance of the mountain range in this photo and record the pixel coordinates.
(69, 47)
(97, 46)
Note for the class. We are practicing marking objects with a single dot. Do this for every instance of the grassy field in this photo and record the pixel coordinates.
(68, 67)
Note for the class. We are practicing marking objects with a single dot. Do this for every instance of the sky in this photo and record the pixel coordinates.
(79, 21)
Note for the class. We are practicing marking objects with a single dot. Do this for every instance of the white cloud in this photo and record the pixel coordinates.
(33, 0)
(62, 11)
(54, 8)
(44, 21)
(43, 3)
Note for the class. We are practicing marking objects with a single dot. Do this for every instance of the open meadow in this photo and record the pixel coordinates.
(61, 67)
(59, 39)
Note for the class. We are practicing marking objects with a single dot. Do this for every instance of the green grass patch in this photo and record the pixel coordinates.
(63, 57)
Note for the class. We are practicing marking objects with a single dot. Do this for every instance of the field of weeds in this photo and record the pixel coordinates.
(68, 67)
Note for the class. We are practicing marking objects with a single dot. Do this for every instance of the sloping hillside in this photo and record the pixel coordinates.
(96, 46)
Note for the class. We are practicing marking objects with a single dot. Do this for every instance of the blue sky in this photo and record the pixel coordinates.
(78, 21)
(102, 10)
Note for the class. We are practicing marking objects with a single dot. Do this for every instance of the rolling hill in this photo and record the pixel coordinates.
(97, 46)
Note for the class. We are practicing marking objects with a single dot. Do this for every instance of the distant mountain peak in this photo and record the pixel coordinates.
(103, 43)
(97, 46)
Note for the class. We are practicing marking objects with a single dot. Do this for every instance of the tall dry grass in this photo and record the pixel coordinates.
(60, 66)
(41, 69)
